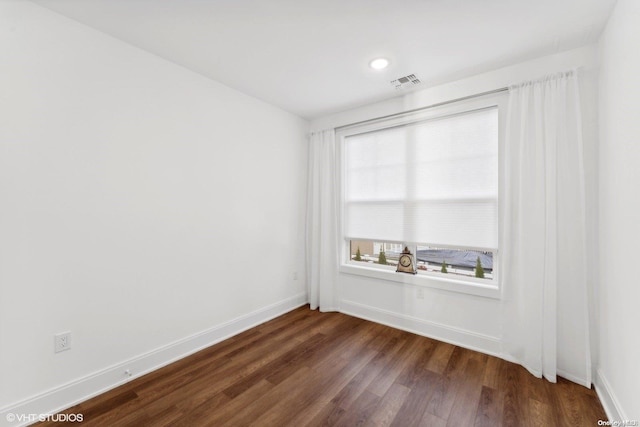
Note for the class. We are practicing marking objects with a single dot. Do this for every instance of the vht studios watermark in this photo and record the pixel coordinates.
(623, 423)
(54, 418)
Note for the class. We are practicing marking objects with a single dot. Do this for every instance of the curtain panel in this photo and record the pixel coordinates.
(322, 221)
(545, 308)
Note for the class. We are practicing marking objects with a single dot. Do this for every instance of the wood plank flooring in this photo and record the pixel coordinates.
(307, 368)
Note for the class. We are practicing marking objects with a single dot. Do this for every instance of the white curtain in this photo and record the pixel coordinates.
(322, 221)
(545, 324)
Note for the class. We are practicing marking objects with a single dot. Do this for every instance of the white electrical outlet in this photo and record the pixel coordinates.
(420, 293)
(62, 342)
(294, 275)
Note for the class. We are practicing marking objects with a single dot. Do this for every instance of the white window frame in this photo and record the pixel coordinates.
(490, 288)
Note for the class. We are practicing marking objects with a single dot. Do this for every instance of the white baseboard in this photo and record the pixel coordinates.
(608, 398)
(452, 335)
(70, 394)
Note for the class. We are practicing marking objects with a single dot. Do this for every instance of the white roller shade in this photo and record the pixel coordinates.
(432, 182)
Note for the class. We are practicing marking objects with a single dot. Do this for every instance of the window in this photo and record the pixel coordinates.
(457, 262)
(381, 253)
(429, 183)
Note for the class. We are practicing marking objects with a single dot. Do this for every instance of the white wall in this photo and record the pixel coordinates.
(141, 203)
(469, 320)
(619, 151)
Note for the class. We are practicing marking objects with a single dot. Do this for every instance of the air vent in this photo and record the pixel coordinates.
(406, 81)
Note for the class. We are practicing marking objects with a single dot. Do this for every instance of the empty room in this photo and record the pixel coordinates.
(305, 213)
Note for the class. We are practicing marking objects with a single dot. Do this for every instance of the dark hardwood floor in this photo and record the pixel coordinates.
(310, 368)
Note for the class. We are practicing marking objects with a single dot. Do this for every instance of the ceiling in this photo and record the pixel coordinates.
(310, 57)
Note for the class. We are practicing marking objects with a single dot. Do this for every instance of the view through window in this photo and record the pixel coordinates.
(456, 262)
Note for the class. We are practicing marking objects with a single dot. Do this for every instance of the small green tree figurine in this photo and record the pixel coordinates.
(358, 256)
(479, 269)
(382, 258)
(444, 267)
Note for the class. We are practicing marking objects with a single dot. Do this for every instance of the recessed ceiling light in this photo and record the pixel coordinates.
(379, 63)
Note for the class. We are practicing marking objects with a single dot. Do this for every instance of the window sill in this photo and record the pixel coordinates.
(453, 285)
